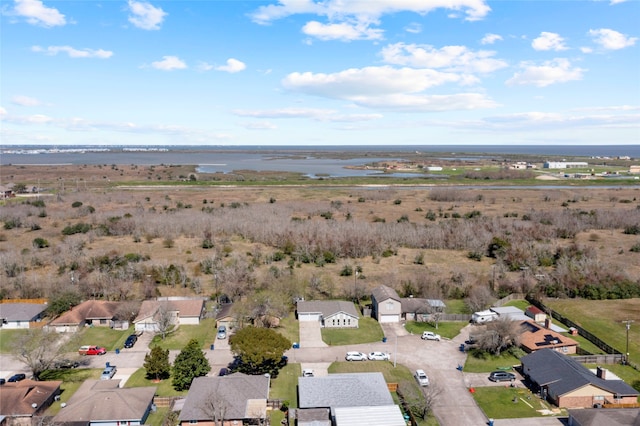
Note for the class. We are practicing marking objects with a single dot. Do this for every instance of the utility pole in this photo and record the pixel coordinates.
(628, 324)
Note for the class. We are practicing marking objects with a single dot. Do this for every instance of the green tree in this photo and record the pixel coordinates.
(157, 364)
(189, 363)
(260, 349)
(62, 302)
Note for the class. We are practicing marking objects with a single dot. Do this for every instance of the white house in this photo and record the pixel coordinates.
(182, 312)
(565, 164)
(386, 304)
(20, 315)
(330, 313)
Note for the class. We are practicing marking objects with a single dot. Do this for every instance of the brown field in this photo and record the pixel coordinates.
(168, 224)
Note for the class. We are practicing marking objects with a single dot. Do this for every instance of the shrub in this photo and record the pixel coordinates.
(632, 230)
(346, 271)
(635, 248)
(78, 228)
(76, 204)
(397, 201)
(40, 243)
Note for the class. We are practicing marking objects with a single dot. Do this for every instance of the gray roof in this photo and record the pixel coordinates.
(609, 417)
(327, 307)
(383, 293)
(21, 311)
(243, 397)
(103, 400)
(343, 390)
(419, 305)
(562, 374)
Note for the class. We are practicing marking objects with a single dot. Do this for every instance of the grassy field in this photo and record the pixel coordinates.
(456, 306)
(497, 402)
(489, 363)
(104, 336)
(204, 333)
(446, 329)
(603, 318)
(368, 331)
(6, 339)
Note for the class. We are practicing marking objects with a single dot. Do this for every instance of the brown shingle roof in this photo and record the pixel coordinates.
(534, 337)
(16, 397)
(184, 308)
(88, 310)
(383, 293)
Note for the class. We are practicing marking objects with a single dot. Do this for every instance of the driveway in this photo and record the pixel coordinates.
(310, 335)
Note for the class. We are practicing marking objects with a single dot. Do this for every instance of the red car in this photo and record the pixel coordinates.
(92, 350)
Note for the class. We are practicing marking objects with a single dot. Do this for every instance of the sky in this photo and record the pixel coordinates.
(319, 72)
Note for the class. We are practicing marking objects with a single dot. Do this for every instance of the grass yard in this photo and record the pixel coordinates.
(6, 339)
(497, 403)
(284, 386)
(71, 380)
(456, 306)
(204, 333)
(627, 373)
(520, 304)
(138, 379)
(290, 328)
(369, 330)
(489, 363)
(604, 319)
(103, 336)
(446, 329)
(157, 418)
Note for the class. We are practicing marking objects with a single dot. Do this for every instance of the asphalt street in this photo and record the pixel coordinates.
(454, 406)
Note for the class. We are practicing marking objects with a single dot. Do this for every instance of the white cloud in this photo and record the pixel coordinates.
(73, 52)
(311, 113)
(353, 18)
(450, 58)
(490, 38)
(558, 70)
(548, 41)
(37, 13)
(585, 49)
(537, 120)
(413, 28)
(232, 66)
(259, 125)
(169, 63)
(25, 101)
(387, 88)
(145, 16)
(611, 39)
(612, 2)
(342, 31)
(3, 111)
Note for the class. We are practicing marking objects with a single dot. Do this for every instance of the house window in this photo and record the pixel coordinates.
(333, 321)
(389, 306)
(123, 423)
(103, 321)
(193, 422)
(598, 398)
(349, 321)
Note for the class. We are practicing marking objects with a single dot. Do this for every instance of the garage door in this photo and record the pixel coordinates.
(389, 318)
(308, 317)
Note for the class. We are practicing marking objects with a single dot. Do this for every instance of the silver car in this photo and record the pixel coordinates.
(422, 378)
(355, 356)
(379, 356)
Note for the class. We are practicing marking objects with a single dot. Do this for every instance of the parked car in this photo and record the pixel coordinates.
(379, 356)
(421, 377)
(108, 372)
(92, 350)
(17, 377)
(502, 376)
(355, 356)
(307, 372)
(222, 332)
(131, 340)
(65, 363)
(2, 381)
(223, 371)
(430, 335)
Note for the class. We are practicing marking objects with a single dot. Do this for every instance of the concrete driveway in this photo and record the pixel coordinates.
(310, 335)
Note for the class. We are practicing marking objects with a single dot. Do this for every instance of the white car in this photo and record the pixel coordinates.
(379, 356)
(430, 335)
(355, 356)
(307, 372)
(422, 378)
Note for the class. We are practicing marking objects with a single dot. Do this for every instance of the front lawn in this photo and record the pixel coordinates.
(138, 379)
(497, 402)
(103, 336)
(368, 331)
(447, 330)
(290, 328)
(71, 378)
(6, 339)
(284, 386)
(205, 333)
(488, 363)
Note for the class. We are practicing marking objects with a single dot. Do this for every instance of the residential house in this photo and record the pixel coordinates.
(225, 316)
(182, 312)
(7, 191)
(535, 337)
(330, 313)
(99, 313)
(567, 383)
(104, 403)
(535, 313)
(23, 400)
(20, 315)
(419, 309)
(608, 417)
(386, 304)
(353, 399)
(236, 399)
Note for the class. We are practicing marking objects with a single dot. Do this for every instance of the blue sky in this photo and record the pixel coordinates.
(308, 72)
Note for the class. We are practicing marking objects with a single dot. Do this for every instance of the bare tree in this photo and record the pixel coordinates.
(164, 319)
(40, 349)
(480, 297)
(215, 407)
(499, 335)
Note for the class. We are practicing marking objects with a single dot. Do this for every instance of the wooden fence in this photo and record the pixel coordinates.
(34, 301)
(509, 298)
(599, 359)
(164, 401)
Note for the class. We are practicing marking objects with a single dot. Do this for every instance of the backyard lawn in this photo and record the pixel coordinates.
(138, 379)
(368, 331)
(489, 363)
(497, 402)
